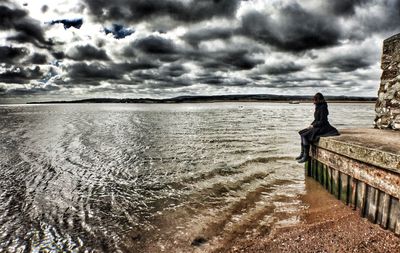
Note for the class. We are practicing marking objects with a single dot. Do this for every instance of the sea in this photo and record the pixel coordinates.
(152, 177)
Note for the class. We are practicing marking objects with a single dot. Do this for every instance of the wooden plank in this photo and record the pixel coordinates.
(395, 215)
(361, 197)
(394, 212)
(330, 180)
(320, 173)
(325, 170)
(372, 204)
(344, 188)
(339, 192)
(383, 209)
(335, 183)
(353, 193)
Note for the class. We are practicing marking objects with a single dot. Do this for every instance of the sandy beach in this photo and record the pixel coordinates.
(326, 226)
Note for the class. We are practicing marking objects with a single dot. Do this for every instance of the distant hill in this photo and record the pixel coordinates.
(219, 98)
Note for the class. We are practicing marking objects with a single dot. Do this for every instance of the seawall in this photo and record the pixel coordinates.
(361, 167)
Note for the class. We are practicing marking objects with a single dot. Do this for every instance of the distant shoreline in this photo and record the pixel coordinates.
(216, 99)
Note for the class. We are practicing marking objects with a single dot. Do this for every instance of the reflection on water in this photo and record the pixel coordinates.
(151, 178)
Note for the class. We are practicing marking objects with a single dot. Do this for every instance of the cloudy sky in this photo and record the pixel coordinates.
(58, 49)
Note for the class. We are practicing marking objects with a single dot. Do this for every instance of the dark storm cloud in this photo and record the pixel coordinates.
(283, 68)
(141, 10)
(10, 54)
(173, 70)
(119, 31)
(152, 79)
(289, 82)
(59, 55)
(345, 7)
(94, 71)
(239, 59)
(347, 63)
(155, 45)
(194, 37)
(26, 28)
(165, 77)
(161, 83)
(137, 64)
(388, 19)
(87, 52)
(218, 80)
(20, 74)
(37, 58)
(295, 30)
(37, 89)
(68, 23)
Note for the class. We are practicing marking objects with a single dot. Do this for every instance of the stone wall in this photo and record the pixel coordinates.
(387, 106)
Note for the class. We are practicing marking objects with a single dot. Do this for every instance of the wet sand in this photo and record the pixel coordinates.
(327, 225)
(321, 224)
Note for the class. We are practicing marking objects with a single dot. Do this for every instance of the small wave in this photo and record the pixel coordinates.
(262, 160)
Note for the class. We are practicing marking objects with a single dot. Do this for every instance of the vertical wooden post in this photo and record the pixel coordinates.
(330, 181)
(361, 197)
(344, 188)
(353, 193)
(394, 216)
(384, 210)
(335, 183)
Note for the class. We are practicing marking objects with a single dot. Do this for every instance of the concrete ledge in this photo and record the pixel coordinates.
(361, 167)
(373, 146)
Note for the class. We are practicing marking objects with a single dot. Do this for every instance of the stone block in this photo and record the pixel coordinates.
(388, 104)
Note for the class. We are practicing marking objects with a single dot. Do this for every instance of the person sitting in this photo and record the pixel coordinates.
(318, 128)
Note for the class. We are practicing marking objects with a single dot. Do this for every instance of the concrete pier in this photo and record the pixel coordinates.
(361, 167)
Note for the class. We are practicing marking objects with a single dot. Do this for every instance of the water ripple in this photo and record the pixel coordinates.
(147, 178)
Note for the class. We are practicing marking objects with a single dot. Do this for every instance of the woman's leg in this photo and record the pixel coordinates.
(305, 148)
(304, 141)
(302, 149)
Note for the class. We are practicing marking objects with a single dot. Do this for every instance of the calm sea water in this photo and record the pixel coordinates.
(151, 178)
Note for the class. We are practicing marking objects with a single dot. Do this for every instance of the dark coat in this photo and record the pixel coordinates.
(321, 126)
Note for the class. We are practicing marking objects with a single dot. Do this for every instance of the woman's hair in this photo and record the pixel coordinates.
(319, 98)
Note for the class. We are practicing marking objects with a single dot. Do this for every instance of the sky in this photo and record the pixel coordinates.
(64, 50)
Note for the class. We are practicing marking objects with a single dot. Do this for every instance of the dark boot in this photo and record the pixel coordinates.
(306, 155)
(301, 153)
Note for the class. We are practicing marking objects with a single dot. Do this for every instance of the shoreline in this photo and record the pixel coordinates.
(327, 225)
(193, 102)
(293, 99)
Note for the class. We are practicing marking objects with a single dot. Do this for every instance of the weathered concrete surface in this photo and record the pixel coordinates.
(388, 104)
(373, 146)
